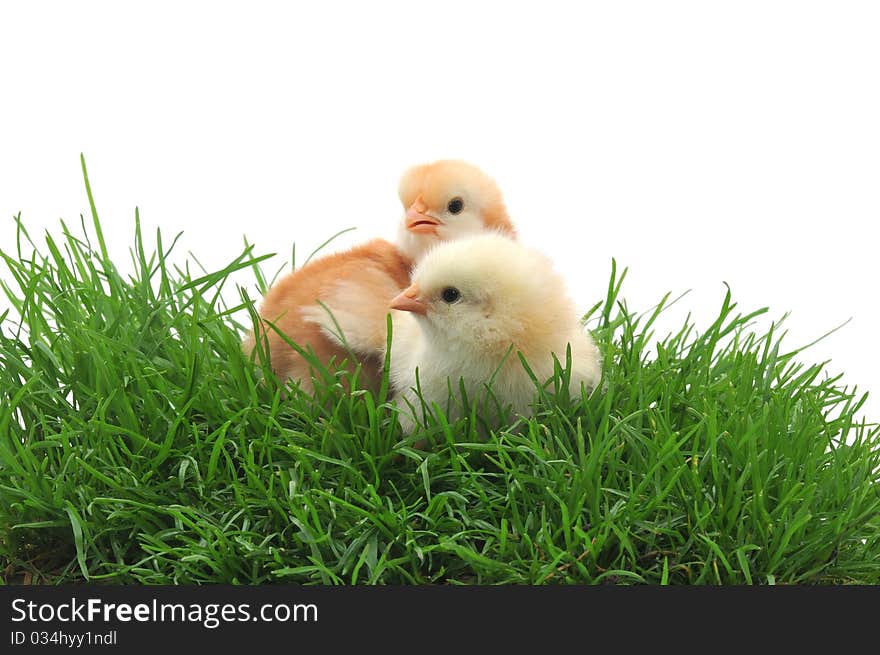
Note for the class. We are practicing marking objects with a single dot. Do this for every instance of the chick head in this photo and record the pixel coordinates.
(447, 200)
(482, 294)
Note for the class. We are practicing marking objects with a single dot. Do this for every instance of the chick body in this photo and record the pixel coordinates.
(377, 269)
(444, 200)
(505, 298)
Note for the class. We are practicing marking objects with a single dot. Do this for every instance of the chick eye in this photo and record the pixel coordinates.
(455, 206)
(450, 295)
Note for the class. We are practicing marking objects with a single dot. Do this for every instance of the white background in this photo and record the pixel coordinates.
(695, 142)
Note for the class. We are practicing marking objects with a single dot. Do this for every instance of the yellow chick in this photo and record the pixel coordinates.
(473, 303)
(443, 200)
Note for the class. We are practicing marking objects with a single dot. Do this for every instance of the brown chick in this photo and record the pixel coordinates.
(444, 200)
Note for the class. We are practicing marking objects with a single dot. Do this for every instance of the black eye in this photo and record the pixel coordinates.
(450, 295)
(455, 206)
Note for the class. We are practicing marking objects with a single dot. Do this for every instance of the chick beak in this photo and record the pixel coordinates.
(418, 221)
(408, 301)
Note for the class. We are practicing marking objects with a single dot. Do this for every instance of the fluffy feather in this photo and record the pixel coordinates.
(377, 269)
(429, 189)
(444, 200)
(509, 299)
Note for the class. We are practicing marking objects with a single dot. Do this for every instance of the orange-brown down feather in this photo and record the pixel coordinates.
(380, 270)
(357, 285)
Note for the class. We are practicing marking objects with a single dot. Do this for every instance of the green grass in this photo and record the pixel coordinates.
(139, 445)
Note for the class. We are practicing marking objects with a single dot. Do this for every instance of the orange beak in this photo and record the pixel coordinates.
(408, 301)
(418, 221)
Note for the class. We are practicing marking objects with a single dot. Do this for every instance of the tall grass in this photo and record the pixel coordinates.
(139, 445)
